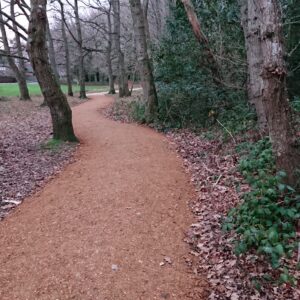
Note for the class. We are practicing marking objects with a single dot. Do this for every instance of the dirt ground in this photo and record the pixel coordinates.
(110, 226)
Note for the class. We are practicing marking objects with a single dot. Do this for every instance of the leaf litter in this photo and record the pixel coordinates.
(26, 162)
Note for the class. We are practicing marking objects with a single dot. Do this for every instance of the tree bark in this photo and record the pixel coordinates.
(109, 54)
(251, 25)
(66, 48)
(149, 90)
(18, 71)
(122, 76)
(275, 100)
(61, 113)
(81, 52)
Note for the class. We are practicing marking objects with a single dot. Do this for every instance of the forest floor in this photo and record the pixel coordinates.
(109, 226)
(28, 157)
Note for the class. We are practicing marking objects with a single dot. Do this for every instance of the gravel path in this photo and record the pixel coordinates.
(110, 226)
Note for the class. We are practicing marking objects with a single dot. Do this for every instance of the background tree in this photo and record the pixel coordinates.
(122, 76)
(66, 49)
(144, 62)
(80, 51)
(18, 68)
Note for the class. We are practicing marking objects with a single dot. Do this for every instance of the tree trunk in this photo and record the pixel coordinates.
(122, 76)
(250, 22)
(24, 92)
(66, 48)
(51, 52)
(81, 52)
(275, 101)
(149, 90)
(59, 108)
(109, 54)
(18, 72)
(212, 63)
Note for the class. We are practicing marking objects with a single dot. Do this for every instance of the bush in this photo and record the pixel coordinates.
(267, 218)
(187, 89)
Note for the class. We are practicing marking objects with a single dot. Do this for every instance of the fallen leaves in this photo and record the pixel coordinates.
(24, 164)
(212, 167)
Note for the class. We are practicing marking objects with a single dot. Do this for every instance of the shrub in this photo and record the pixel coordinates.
(267, 218)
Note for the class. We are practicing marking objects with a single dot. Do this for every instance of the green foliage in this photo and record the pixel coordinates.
(296, 104)
(266, 220)
(138, 110)
(52, 144)
(187, 90)
(291, 18)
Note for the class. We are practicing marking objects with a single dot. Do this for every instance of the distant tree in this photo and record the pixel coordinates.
(66, 49)
(19, 69)
(122, 76)
(144, 62)
(51, 52)
(80, 50)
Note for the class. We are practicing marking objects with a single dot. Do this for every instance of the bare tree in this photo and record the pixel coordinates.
(81, 51)
(37, 49)
(149, 90)
(66, 49)
(122, 76)
(51, 52)
(19, 70)
(109, 52)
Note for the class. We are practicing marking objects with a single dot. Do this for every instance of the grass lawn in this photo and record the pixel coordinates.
(12, 90)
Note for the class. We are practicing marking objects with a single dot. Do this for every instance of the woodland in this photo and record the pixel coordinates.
(219, 80)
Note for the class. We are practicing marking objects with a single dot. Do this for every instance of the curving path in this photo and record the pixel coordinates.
(102, 227)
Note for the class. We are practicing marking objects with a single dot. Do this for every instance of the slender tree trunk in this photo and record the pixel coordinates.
(51, 52)
(145, 8)
(149, 90)
(81, 52)
(59, 108)
(250, 16)
(122, 76)
(19, 72)
(211, 61)
(275, 101)
(66, 48)
(109, 54)
(24, 92)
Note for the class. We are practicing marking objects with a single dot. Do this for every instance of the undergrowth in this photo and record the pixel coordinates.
(51, 144)
(266, 220)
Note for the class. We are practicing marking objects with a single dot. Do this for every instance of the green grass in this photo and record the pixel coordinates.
(12, 90)
(51, 144)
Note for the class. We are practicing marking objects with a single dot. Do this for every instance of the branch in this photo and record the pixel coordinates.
(13, 21)
(13, 29)
(3, 53)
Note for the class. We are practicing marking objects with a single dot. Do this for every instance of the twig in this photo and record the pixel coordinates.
(218, 180)
(227, 130)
